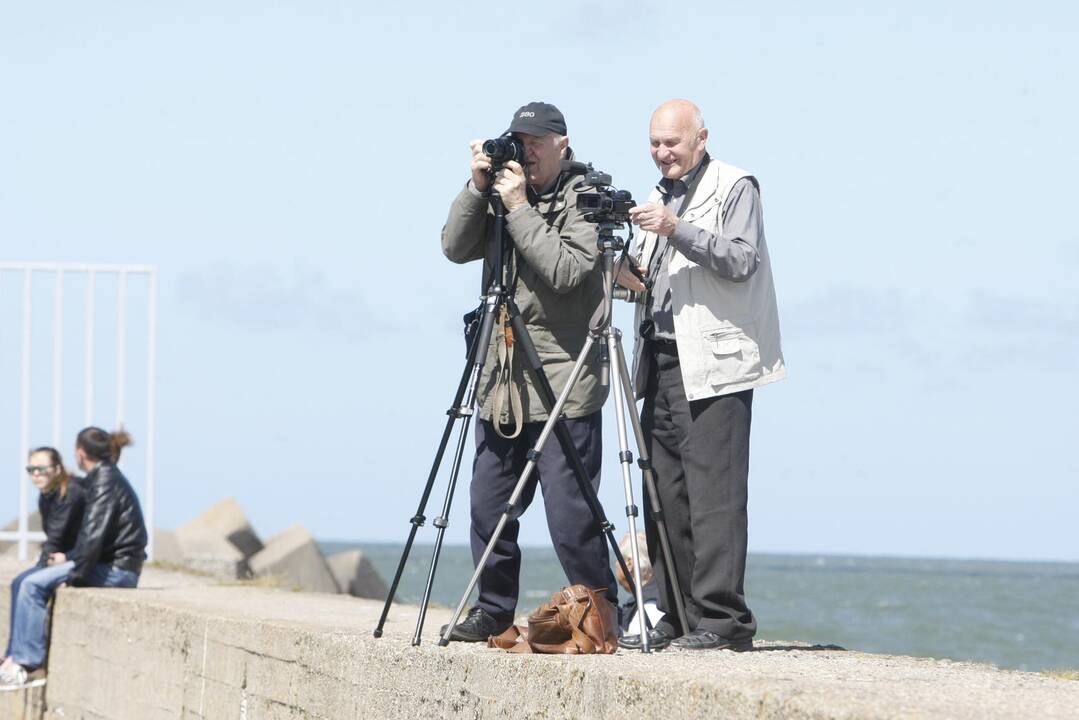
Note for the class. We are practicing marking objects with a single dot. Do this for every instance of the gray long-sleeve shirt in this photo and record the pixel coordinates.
(732, 253)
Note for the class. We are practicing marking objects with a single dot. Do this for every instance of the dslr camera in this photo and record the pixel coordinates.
(503, 149)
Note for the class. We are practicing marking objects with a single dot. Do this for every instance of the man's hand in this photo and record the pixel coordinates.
(625, 277)
(510, 183)
(481, 166)
(56, 558)
(654, 218)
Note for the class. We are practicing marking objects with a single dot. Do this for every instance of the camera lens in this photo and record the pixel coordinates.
(503, 149)
(621, 293)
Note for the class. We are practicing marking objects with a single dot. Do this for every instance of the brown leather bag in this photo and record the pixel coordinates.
(577, 621)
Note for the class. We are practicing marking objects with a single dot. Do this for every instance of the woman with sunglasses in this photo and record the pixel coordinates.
(60, 506)
(109, 551)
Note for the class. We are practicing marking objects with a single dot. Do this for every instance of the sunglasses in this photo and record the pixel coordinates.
(35, 469)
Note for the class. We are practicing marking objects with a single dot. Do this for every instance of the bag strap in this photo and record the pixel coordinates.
(513, 639)
(506, 390)
(575, 614)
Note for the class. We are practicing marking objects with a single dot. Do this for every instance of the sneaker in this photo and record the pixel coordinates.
(477, 627)
(13, 677)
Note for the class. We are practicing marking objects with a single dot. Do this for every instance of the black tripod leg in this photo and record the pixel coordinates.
(441, 522)
(565, 440)
(477, 356)
(645, 463)
(418, 519)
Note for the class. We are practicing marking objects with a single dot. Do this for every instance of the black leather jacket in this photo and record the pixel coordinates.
(61, 518)
(112, 530)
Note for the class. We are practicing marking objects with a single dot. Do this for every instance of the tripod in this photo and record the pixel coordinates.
(495, 299)
(601, 329)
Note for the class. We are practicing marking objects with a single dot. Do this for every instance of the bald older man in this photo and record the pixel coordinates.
(707, 335)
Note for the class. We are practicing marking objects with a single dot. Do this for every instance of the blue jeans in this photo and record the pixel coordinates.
(30, 594)
(15, 584)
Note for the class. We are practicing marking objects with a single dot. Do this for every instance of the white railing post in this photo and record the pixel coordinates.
(88, 359)
(57, 357)
(24, 436)
(121, 347)
(151, 413)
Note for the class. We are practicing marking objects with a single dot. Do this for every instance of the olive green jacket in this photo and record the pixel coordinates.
(558, 288)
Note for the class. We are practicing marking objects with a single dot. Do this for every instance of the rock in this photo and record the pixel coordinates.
(167, 548)
(225, 520)
(213, 554)
(356, 575)
(294, 556)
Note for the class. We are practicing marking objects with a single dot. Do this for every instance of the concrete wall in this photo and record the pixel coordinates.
(176, 650)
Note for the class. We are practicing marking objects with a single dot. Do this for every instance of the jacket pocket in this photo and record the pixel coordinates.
(730, 354)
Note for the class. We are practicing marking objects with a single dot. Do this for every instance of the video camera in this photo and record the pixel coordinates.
(606, 205)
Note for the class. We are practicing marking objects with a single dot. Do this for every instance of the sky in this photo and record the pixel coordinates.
(288, 167)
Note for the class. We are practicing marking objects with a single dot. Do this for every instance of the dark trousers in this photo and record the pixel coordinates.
(577, 538)
(700, 451)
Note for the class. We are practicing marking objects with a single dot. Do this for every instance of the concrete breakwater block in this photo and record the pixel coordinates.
(167, 547)
(219, 541)
(294, 556)
(33, 521)
(214, 555)
(10, 548)
(224, 520)
(356, 575)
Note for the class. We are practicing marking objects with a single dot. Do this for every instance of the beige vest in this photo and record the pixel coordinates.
(727, 332)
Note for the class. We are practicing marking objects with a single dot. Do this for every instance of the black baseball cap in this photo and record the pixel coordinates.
(538, 118)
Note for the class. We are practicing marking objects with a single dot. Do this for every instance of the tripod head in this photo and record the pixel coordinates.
(607, 207)
(608, 241)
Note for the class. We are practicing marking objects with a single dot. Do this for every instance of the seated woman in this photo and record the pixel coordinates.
(60, 505)
(109, 550)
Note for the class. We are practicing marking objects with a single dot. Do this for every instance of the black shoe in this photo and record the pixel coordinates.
(708, 640)
(657, 640)
(477, 627)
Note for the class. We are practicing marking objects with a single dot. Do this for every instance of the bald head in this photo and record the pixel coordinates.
(681, 111)
(677, 134)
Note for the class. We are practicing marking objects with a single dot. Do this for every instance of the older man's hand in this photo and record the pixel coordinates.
(654, 218)
(481, 166)
(625, 277)
(510, 183)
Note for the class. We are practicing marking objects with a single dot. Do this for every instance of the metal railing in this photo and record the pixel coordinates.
(92, 272)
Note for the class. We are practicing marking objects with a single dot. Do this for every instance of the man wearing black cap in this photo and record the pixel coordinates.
(556, 284)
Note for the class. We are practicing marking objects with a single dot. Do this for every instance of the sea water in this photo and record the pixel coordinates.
(1022, 615)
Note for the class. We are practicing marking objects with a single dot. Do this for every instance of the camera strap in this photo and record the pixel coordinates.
(508, 409)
